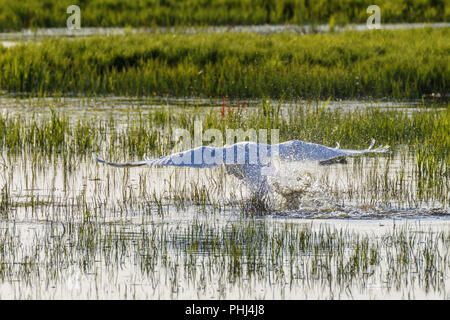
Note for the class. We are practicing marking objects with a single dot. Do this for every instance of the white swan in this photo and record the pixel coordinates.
(251, 161)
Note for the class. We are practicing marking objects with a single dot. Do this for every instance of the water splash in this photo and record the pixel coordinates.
(298, 186)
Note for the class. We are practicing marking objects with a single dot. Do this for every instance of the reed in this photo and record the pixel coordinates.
(422, 179)
(296, 257)
(148, 13)
(399, 64)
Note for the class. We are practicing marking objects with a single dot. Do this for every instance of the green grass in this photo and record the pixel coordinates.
(426, 133)
(195, 255)
(395, 64)
(139, 133)
(116, 13)
(105, 229)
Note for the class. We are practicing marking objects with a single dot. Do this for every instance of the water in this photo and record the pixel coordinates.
(382, 185)
(125, 263)
(263, 29)
(77, 229)
(120, 107)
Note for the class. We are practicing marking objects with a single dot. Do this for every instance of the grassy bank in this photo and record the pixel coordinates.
(426, 134)
(395, 64)
(115, 13)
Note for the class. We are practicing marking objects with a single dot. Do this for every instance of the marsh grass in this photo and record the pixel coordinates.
(294, 257)
(99, 232)
(423, 132)
(148, 13)
(401, 64)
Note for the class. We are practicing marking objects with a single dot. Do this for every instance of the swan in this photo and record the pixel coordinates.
(252, 162)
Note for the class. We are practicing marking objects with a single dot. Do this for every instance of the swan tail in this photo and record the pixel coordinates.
(381, 149)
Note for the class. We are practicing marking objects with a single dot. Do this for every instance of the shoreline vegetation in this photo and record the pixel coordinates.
(147, 13)
(393, 64)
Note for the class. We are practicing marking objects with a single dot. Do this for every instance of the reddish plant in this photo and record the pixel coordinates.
(231, 109)
(223, 107)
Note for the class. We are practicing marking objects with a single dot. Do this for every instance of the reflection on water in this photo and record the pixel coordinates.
(223, 258)
(366, 187)
(379, 185)
(121, 107)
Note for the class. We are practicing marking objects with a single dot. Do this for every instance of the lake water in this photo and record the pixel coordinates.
(76, 229)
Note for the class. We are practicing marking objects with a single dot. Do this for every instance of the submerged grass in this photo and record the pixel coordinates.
(398, 64)
(72, 229)
(424, 132)
(138, 134)
(147, 13)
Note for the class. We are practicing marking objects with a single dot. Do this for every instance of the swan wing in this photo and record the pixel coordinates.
(201, 157)
(296, 150)
(248, 153)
